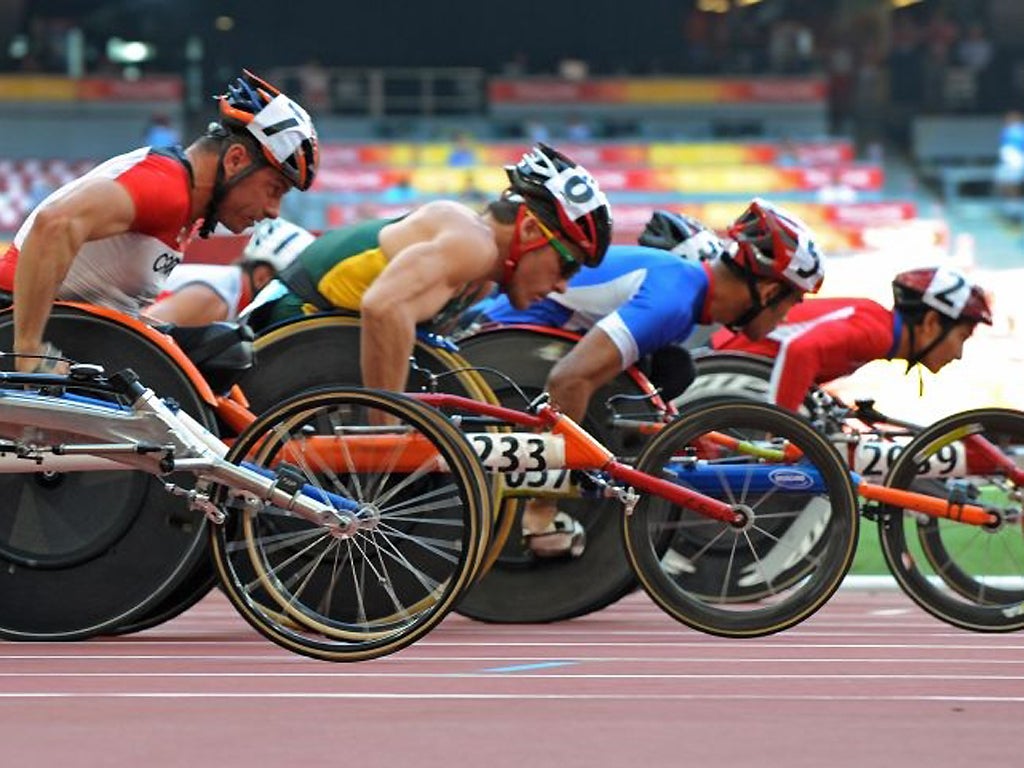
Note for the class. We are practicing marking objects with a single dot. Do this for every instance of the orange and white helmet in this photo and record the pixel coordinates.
(283, 128)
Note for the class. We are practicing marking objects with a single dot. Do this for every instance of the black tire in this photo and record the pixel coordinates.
(348, 599)
(520, 588)
(687, 452)
(87, 553)
(727, 375)
(323, 351)
(747, 377)
(968, 576)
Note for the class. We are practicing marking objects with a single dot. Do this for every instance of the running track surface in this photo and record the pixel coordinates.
(869, 681)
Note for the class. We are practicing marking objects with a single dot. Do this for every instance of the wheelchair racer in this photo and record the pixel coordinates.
(646, 299)
(935, 311)
(199, 294)
(112, 236)
(426, 268)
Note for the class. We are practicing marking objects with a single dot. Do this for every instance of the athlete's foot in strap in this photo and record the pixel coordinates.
(550, 533)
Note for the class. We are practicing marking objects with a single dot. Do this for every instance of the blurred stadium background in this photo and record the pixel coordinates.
(878, 121)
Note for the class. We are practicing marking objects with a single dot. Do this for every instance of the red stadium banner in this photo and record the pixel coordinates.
(658, 91)
(154, 88)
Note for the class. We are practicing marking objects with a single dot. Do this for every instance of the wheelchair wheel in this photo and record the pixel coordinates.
(518, 587)
(747, 377)
(426, 519)
(695, 450)
(727, 375)
(968, 576)
(323, 351)
(85, 553)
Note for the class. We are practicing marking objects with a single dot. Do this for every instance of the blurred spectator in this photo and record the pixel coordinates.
(1009, 172)
(471, 194)
(840, 87)
(696, 39)
(401, 192)
(975, 51)
(577, 129)
(315, 85)
(536, 131)
(517, 66)
(160, 133)
(463, 155)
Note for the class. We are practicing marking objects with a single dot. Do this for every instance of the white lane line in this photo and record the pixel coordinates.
(749, 646)
(747, 660)
(773, 697)
(499, 675)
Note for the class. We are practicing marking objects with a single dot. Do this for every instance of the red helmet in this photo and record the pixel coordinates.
(283, 128)
(773, 244)
(945, 290)
(565, 197)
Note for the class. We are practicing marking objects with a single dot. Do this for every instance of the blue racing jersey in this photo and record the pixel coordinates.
(642, 298)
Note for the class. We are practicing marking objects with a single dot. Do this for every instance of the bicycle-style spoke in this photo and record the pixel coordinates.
(416, 536)
(784, 560)
(968, 575)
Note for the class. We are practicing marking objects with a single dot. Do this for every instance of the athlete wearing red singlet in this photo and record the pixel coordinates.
(820, 340)
(935, 311)
(124, 271)
(112, 236)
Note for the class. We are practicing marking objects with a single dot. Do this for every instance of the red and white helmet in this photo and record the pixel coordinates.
(774, 244)
(943, 289)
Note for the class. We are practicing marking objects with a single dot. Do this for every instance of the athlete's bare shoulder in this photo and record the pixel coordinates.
(455, 223)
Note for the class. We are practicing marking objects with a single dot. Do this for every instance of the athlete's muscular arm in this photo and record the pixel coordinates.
(421, 277)
(192, 304)
(593, 362)
(98, 208)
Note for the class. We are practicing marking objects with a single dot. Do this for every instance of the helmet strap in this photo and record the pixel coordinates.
(915, 357)
(221, 187)
(756, 306)
(517, 248)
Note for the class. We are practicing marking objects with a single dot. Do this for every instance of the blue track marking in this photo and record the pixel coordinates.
(525, 667)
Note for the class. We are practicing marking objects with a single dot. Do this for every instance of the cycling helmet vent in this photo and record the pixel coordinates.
(564, 196)
(774, 244)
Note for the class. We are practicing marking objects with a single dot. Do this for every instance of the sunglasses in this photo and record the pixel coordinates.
(569, 264)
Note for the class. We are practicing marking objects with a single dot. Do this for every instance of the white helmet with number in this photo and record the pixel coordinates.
(276, 242)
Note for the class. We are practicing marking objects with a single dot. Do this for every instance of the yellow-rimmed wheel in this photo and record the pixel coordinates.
(418, 492)
(324, 351)
(768, 464)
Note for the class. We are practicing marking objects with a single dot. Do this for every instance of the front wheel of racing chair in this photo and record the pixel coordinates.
(424, 513)
(772, 465)
(970, 576)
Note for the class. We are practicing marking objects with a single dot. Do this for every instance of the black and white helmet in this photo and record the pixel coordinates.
(682, 235)
(565, 197)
